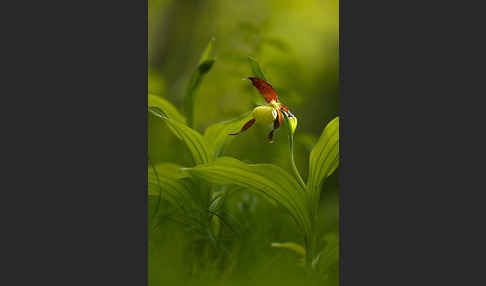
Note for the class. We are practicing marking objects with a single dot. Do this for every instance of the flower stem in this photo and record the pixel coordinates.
(294, 167)
(291, 149)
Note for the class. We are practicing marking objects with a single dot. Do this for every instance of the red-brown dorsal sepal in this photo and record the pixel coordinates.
(265, 89)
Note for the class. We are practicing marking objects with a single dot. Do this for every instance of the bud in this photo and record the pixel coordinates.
(293, 124)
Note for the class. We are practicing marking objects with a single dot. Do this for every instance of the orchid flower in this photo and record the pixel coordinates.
(269, 113)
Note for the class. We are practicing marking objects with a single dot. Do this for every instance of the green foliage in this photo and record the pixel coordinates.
(216, 135)
(327, 262)
(291, 192)
(279, 186)
(324, 157)
(207, 233)
(207, 52)
(204, 66)
(255, 67)
(157, 104)
(165, 179)
(267, 179)
(193, 140)
(295, 247)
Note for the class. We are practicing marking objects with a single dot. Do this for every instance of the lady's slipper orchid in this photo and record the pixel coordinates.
(270, 113)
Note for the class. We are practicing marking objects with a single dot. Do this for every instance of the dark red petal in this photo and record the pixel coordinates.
(276, 124)
(286, 110)
(246, 126)
(270, 136)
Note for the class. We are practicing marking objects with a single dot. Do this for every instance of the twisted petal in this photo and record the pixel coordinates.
(276, 124)
(245, 127)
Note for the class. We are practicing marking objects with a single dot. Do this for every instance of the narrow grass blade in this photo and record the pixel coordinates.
(295, 247)
(204, 66)
(206, 55)
(255, 67)
(165, 180)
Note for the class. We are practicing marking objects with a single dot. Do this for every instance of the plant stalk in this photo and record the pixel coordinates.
(294, 167)
(291, 149)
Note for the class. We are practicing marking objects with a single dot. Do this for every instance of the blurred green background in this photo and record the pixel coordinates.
(296, 44)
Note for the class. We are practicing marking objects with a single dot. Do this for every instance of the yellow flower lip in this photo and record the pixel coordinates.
(264, 114)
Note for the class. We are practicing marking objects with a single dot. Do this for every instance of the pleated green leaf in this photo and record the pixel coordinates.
(267, 179)
(168, 108)
(194, 141)
(217, 137)
(324, 157)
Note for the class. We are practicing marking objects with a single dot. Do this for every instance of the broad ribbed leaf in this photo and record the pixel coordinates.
(167, 180)
(267, 179)
(193, 140)
(216, 135)
(324, 158)
(168, 108)
(204, 66)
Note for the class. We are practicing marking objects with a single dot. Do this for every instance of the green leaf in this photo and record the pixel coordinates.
(204, 66)
(169, 110)
(207, 52)
(329, 256)
(217, 137)
(156, 111)
(166, 180)
(193, 140)
(257, 72)
(295, 247)
(324, 157)
(255, 67)
(267, 179)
